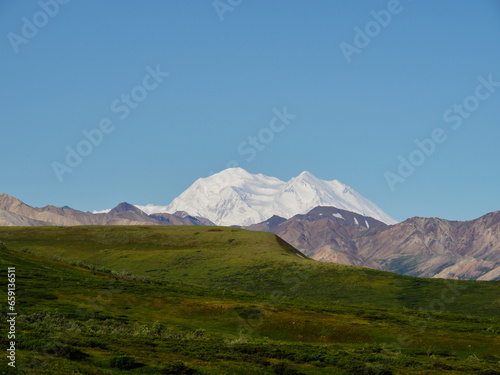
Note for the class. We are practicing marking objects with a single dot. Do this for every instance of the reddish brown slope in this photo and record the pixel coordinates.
(425, 247)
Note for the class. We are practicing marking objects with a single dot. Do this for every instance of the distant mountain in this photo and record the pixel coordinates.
(321, 229)
(9, 219)
(424, 247)
(268, 225)
(180, 218)
(126, 207)
(13, 212)
(236, 197)
(432, 247)
(51, 215)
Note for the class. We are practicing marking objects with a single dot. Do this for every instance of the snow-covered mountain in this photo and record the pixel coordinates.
(236, 197)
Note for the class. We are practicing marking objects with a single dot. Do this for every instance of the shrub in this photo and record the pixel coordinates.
(123, 362)
(157, 329)
(93, 343)
(71, 353)
(283, 368)
(489, 372)
(442, 365)
(177, 368)
(140, 330)
(199, 334)
(473, 358)
(34, 344)
(375, 370)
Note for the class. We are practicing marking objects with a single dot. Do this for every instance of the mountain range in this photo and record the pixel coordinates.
(13, 212)
(326, 220)
(423, 247)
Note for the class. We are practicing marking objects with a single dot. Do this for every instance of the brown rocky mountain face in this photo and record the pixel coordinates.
(324, 226)
(13, 212)
(431, 247)
(9, 219)
(424, 247)
(325, 234)
(50, 215)
(268, 225)
(126, 207)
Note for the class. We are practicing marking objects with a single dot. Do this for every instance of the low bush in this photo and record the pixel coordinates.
(123, 362)
(71, 353)
(177, 368)
(282, 368)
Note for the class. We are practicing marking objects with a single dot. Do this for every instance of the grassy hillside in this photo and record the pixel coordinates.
(154, 319)
(256, 262)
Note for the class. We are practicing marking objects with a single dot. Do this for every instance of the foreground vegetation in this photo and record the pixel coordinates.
(191, 300)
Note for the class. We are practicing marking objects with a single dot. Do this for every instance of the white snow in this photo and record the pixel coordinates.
(152, 209)
(367, 225)
(356, 221)
(236, 197)
(337, 215)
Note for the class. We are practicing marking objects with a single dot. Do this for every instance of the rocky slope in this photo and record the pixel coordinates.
(13, 212)
(432, 247)
(424, 247)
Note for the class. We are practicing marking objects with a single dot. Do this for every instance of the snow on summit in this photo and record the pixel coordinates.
(236, 197)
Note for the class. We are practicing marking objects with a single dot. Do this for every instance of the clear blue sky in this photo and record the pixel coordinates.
(353, 120)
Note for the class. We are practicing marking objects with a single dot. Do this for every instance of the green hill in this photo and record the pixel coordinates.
(186, 300)
(238, 259)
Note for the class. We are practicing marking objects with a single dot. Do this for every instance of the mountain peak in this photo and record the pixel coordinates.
(7, 202)
(123, 207)
(237, 197)
(306, 174)
(237, 172)
(5, 197)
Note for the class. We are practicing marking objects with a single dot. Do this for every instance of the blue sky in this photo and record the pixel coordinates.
(230, 70)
